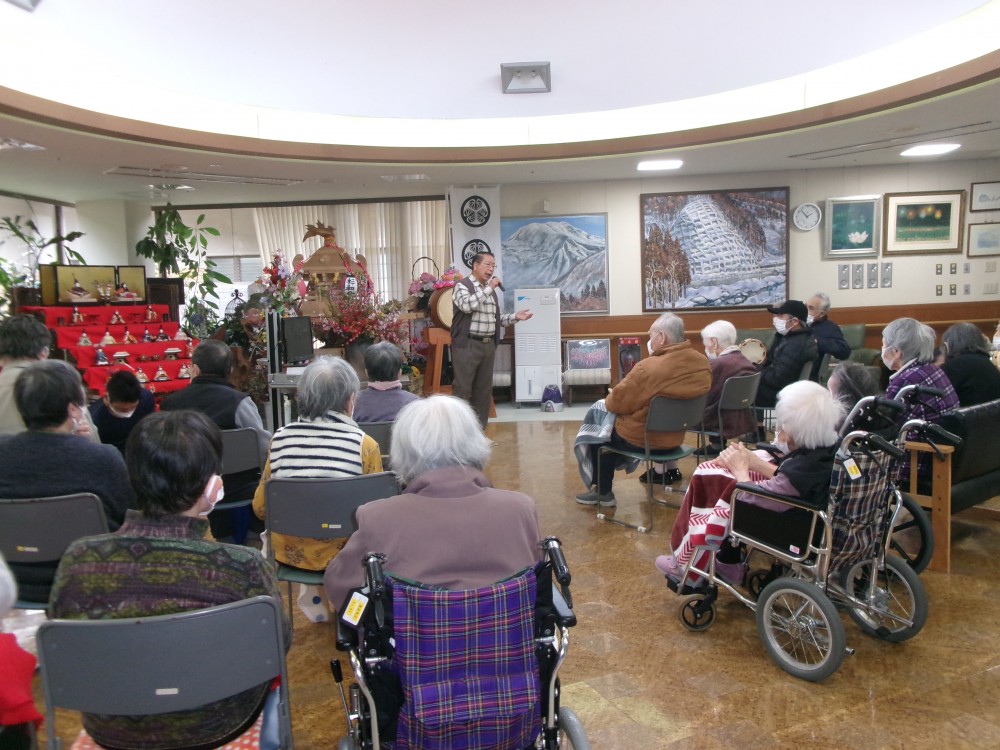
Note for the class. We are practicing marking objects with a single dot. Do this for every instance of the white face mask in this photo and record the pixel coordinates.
(996, 341)
(779, 442)
(119, 414)
(649, 347)
(213, 494)
(810, 319)
(780, 325)
(710, 354)
(887, 360)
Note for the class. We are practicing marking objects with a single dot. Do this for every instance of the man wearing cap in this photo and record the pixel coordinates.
(793, 346)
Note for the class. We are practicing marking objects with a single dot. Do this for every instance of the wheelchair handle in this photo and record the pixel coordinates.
(374, 577)
(874, 403)
(553, 548)
(943, 435)
(885, 446)
(917, 390)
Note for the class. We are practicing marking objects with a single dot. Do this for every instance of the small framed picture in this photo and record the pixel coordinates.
(923, 223)
(984, 196)
(853, 227)
(984, 240)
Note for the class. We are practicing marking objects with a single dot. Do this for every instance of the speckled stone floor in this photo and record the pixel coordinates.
(639, 679)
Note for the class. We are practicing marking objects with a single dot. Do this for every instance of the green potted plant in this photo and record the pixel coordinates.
(182, 250)
(24, 283)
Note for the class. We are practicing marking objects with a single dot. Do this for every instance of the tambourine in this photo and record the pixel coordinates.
(754, 350)
(440, 308)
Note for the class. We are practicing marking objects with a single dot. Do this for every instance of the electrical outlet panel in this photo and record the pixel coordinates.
(966, 268)
(953, 289)
(939, 290)
(858, 278)
(873, 275)
(953, 269)
(939, 269)
(886, 275)
(967, 289)
(843, 276)
(991, 288)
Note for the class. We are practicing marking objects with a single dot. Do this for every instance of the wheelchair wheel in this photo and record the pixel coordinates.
(571, 732)
(694, 613)
(756, 581)
(912, 537)
(801, 629)
(898, 593)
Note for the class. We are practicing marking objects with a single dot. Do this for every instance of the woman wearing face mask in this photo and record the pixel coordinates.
(908, 350)
(726, 361)
(807, 416)
(159, 562)
(50, 459)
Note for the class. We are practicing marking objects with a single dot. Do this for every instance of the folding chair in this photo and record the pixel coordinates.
(381, 433)
(765, 414)
(240, 453)
(153, 665)
(665, 415)
(39, 529)
(738, 394)
(318, 509)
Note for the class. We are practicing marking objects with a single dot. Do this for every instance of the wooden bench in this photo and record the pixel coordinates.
(963, 477)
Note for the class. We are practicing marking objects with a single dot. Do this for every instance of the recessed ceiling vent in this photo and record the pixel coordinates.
(168, 176)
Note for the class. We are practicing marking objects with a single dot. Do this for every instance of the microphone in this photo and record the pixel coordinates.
(500, 286)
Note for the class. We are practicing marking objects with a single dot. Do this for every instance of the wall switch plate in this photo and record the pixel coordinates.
(953, 268)
(939, 269)
(939, 290)
(886, 275)
(843, 276)
(967, 289)
(858, 276)
(966, 268)
(873, 275)
(953, 289)
(991, 266)
(991, 288)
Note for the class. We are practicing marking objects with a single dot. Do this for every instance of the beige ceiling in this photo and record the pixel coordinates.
(86, 151)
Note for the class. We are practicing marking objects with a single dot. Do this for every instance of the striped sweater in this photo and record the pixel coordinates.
(329, 446)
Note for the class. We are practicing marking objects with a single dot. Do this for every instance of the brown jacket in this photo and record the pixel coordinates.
(676, 371)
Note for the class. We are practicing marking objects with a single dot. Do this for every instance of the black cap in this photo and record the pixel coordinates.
(791, 307)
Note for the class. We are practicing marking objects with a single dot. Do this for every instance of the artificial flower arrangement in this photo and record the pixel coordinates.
(360, 316)
(283, 285)
(424, 285)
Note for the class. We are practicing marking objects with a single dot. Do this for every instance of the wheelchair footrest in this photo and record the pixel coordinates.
(688, 588)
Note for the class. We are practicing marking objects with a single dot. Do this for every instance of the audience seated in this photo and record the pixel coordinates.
(829, 337)
(850, 382)
(17, 668)
(125, 402)
(159, 562)
(23, 340)
(968, 366)
(726, 361)
(450, 528)
(50, 460)
(793, 346)
(908, 351)
(807, 418)
(325, 442)
(673, 369)
(384, 396)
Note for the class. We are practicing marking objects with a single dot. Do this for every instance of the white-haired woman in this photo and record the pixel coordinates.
(807, 417)
(325, 442)
(726, 361)
(451, 527)
(908, 350)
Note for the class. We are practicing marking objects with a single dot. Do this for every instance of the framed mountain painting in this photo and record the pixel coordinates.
(568, 252)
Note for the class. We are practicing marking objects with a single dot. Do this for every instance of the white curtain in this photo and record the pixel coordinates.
(391, 237)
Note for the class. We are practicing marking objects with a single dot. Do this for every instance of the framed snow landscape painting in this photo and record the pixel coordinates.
(724, 248)
(568, 252)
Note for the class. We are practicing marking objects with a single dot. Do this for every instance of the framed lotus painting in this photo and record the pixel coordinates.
(716, 249)
(923, 223)
(853, 227)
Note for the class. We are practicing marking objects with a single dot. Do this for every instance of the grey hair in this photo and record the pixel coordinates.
(910, 338)
(809, 414)
(8, 588)
(964, 338)
(383, 361)
(436, 432)
(850, 382)
(671, 326)
(721, 330)
(824, 301)
(326, 384)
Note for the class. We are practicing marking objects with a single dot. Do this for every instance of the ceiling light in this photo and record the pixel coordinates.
(659, 164)
(16, 145)
(405, 177)
(26, 4)
(930, 149)
(526, 78)
(171, 187)
(182, 177)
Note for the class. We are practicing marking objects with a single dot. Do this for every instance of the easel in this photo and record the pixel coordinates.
(437, 339)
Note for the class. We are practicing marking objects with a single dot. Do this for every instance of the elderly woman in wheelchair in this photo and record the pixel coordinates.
(807, 418)
(454, 628)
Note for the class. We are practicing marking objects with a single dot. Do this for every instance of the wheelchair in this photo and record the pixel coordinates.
(458, 670)
(826, 556)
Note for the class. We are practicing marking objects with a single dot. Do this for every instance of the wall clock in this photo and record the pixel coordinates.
(806, 216)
